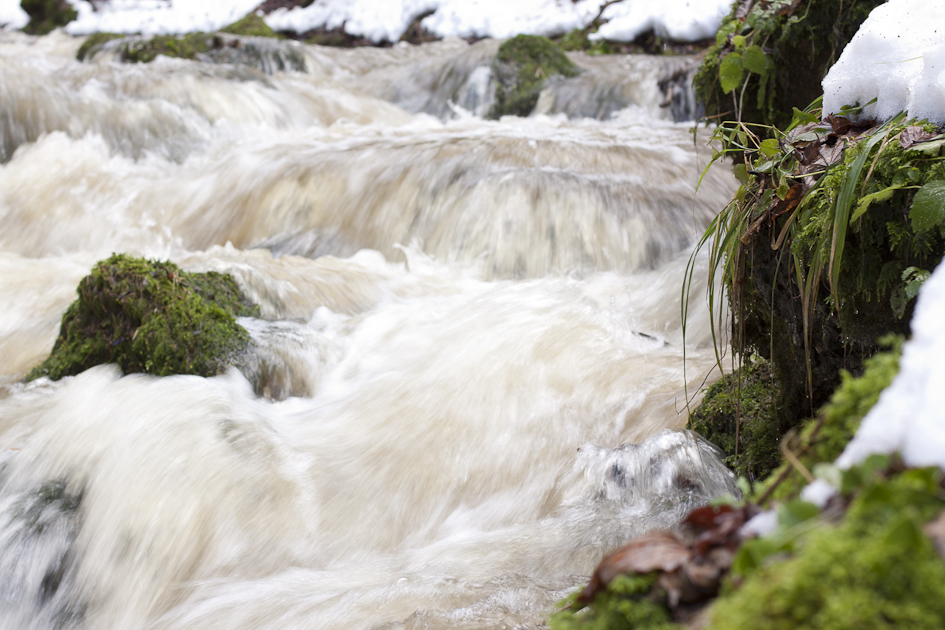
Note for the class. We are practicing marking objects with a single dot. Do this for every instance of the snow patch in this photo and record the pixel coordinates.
(11, 15)
(897, 57)
(910, 414)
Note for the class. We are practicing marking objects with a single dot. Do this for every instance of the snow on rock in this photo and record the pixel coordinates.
(684, 20)
(897, 57)
(11, 15)
(910, 414)
(157, 17)
(681, 20)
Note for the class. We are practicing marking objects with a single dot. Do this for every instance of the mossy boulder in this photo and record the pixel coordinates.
(521, 67)
(250, 26)
(95, 42)
(822, 439)
(749, 396)
(184, 47)
(46, 15)
(149, 316)
(770, 57)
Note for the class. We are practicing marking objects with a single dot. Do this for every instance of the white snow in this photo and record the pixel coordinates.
(157, 17)
(898, 57)
(11, 15)
(684, 20)
(910, 414)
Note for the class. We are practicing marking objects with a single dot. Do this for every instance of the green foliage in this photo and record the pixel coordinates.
(94, 42)
(149, 316)
(577, 40)
(771, 56)
(46, 15)
(250, 26)
(876, 569)
(521, 67)
(624, 605)
(822, 439)
(750, 394)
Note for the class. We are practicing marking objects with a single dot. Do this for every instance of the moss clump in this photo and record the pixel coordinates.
(250, 26)
(521, 67)
(46, 15)
(751, 394)
(770, 57)
(94, 42)
(876, 569)
(186, 47)
(822, 439)
(624, 605)
(578, 40)
(149, 316)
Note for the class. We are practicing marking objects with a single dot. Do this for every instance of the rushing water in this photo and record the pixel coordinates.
(469, 355)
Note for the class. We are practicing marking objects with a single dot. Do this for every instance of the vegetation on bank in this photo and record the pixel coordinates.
(149, 316)
(46, 15)
(770, 57)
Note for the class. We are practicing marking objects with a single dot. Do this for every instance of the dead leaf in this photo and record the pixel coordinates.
(913, 135)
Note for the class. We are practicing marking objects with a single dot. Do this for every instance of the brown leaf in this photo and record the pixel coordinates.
(839, 124)
(913, 135)
(707, 516)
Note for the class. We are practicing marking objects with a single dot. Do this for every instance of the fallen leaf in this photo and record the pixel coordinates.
(913, 135)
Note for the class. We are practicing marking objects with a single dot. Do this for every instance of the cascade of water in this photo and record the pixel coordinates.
(467, 379)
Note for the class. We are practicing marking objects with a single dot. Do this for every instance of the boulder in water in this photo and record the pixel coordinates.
(521, 67)
(149, 316)
(46, 15)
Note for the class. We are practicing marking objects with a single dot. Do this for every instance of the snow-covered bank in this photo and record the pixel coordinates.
(898, 58)
(380, 20)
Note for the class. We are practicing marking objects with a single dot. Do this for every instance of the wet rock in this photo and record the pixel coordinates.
(521, 67)
(149, 316)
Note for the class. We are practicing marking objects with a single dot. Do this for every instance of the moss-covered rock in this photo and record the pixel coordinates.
(521, 67)
(250, 26)
(185, 47)
(822, 439)
(95, 42)
(46, 15)
(149, 316)
(751, 395)
(770, 57)
(624, 605)
(876, 569)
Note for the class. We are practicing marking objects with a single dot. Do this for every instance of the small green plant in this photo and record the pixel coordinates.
(770, 57)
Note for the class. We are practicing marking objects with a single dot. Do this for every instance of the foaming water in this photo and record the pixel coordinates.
(467, 380)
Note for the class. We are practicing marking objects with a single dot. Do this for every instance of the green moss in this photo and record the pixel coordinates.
(250, 26)
(624, 605)
(752, 394)
(822, 439)
(876, 569)
(46, 15)
(521, 67)
(793, 44)
(93, 42)
(186, 47)
(577, 40)
(149, 316)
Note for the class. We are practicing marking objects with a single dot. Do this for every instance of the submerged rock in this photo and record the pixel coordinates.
(149, 316)
(521, 67)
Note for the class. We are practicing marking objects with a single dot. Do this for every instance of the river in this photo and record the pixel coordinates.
(469, 355)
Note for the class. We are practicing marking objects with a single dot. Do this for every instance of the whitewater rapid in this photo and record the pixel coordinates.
(470, 344)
